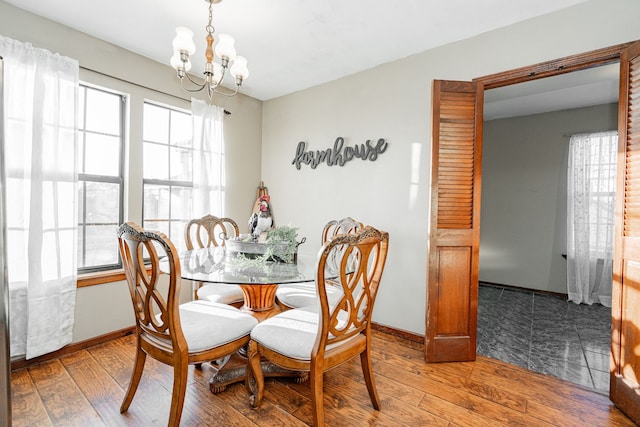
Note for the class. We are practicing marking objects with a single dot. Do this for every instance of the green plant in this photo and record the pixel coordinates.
(283, 235)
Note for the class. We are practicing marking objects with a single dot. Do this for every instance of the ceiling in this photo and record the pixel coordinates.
(292, 45)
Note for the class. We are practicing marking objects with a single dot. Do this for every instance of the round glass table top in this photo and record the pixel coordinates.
(216, 265)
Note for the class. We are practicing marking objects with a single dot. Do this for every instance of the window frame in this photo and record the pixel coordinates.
(169, 183)
(118, 180)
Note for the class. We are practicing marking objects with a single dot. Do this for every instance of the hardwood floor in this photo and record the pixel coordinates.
(86, 388)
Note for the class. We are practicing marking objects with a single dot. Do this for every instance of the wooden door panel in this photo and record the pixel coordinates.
(454, 264)
(452, 289)
(625, 311)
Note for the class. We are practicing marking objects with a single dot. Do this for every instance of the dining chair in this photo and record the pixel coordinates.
(296, 295)
(173, 333)
(317, 338)
(213, 231)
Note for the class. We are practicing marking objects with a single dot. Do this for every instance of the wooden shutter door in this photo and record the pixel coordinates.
(625, 321)
(454, 239)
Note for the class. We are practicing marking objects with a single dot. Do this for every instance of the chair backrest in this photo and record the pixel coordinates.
(360, 259)
(346, 225)
(155, 304)
(209, 231)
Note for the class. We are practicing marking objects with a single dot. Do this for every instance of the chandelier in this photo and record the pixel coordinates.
(214, 72)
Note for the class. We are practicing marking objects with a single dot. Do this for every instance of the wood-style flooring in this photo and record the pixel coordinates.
(86, 388)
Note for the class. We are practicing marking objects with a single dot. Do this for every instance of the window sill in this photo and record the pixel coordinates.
(99, 278)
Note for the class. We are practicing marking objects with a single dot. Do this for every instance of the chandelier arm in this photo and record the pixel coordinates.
(200, 86)
(219, 92)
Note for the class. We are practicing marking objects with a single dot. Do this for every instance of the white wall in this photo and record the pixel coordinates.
(101, 309)
(524, 189)
(393, 102)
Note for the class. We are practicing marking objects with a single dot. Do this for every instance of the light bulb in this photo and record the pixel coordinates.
(225, 48)
(239, 68)
(184, 40)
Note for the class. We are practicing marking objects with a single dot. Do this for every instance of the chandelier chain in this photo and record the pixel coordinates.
(210, 28)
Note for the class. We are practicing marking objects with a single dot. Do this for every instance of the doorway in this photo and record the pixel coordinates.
(454, 238)
(523, 226)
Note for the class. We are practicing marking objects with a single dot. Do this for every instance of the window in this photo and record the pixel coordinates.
(100, 177)
(592, 190)
(167, 171)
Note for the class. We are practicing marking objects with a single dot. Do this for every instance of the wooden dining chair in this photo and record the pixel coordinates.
(296, 295)
(213, 231)
(320, 337)
(173, 333)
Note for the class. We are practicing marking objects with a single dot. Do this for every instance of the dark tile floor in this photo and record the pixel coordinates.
(546, 334)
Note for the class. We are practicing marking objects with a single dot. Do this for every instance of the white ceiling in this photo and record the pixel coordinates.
(296, 44)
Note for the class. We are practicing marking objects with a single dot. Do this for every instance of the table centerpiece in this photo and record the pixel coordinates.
(278, 244)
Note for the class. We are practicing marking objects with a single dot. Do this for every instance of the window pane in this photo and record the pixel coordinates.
(181, 164)
(156, 124)
(103, 112)
(177, 235)
(102, 155)
(102, 246)
(102, 203)
(156, 202)
(156, 161)
(181, 203)
(181, 129)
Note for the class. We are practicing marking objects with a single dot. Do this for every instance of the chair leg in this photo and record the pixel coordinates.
(367, 371)
(316, 381)
(180, 372)
(254, 381)
(138, 367)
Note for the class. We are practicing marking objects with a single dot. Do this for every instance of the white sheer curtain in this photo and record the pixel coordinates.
(208, 169)
(41, 90)
(590, 217)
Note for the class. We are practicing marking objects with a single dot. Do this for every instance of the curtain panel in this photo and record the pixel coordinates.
(208, 167)
(41, 90)
(591, 188)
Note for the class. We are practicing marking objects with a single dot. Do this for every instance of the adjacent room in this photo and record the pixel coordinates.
(525, 314)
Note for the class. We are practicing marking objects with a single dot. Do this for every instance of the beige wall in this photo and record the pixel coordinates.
(524, 188)
(104, 308)
(390, 102)
(393, 102)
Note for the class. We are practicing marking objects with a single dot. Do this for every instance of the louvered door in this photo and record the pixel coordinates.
(452, 288)
(625, 336)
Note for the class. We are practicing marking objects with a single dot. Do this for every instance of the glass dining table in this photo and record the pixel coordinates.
(259, 281)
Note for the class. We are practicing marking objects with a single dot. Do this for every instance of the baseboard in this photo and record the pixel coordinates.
(410, 336)
(521, 288)
(71, 348)
(81, 345)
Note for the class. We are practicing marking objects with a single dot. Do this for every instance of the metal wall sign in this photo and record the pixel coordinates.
(340, 154)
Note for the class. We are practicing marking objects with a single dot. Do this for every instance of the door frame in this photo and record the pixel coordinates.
(556, 67)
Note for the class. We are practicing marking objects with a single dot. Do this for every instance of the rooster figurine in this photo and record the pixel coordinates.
(262, 221)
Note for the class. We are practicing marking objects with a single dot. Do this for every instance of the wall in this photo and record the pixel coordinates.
(393, 102)
(524, 189)
(101, 309)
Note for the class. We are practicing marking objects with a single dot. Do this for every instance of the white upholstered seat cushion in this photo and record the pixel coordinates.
(220, 292)
(207, 325)
(298, 295)
(291, 333)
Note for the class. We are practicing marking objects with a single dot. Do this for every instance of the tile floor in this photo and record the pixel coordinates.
(546, 334)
